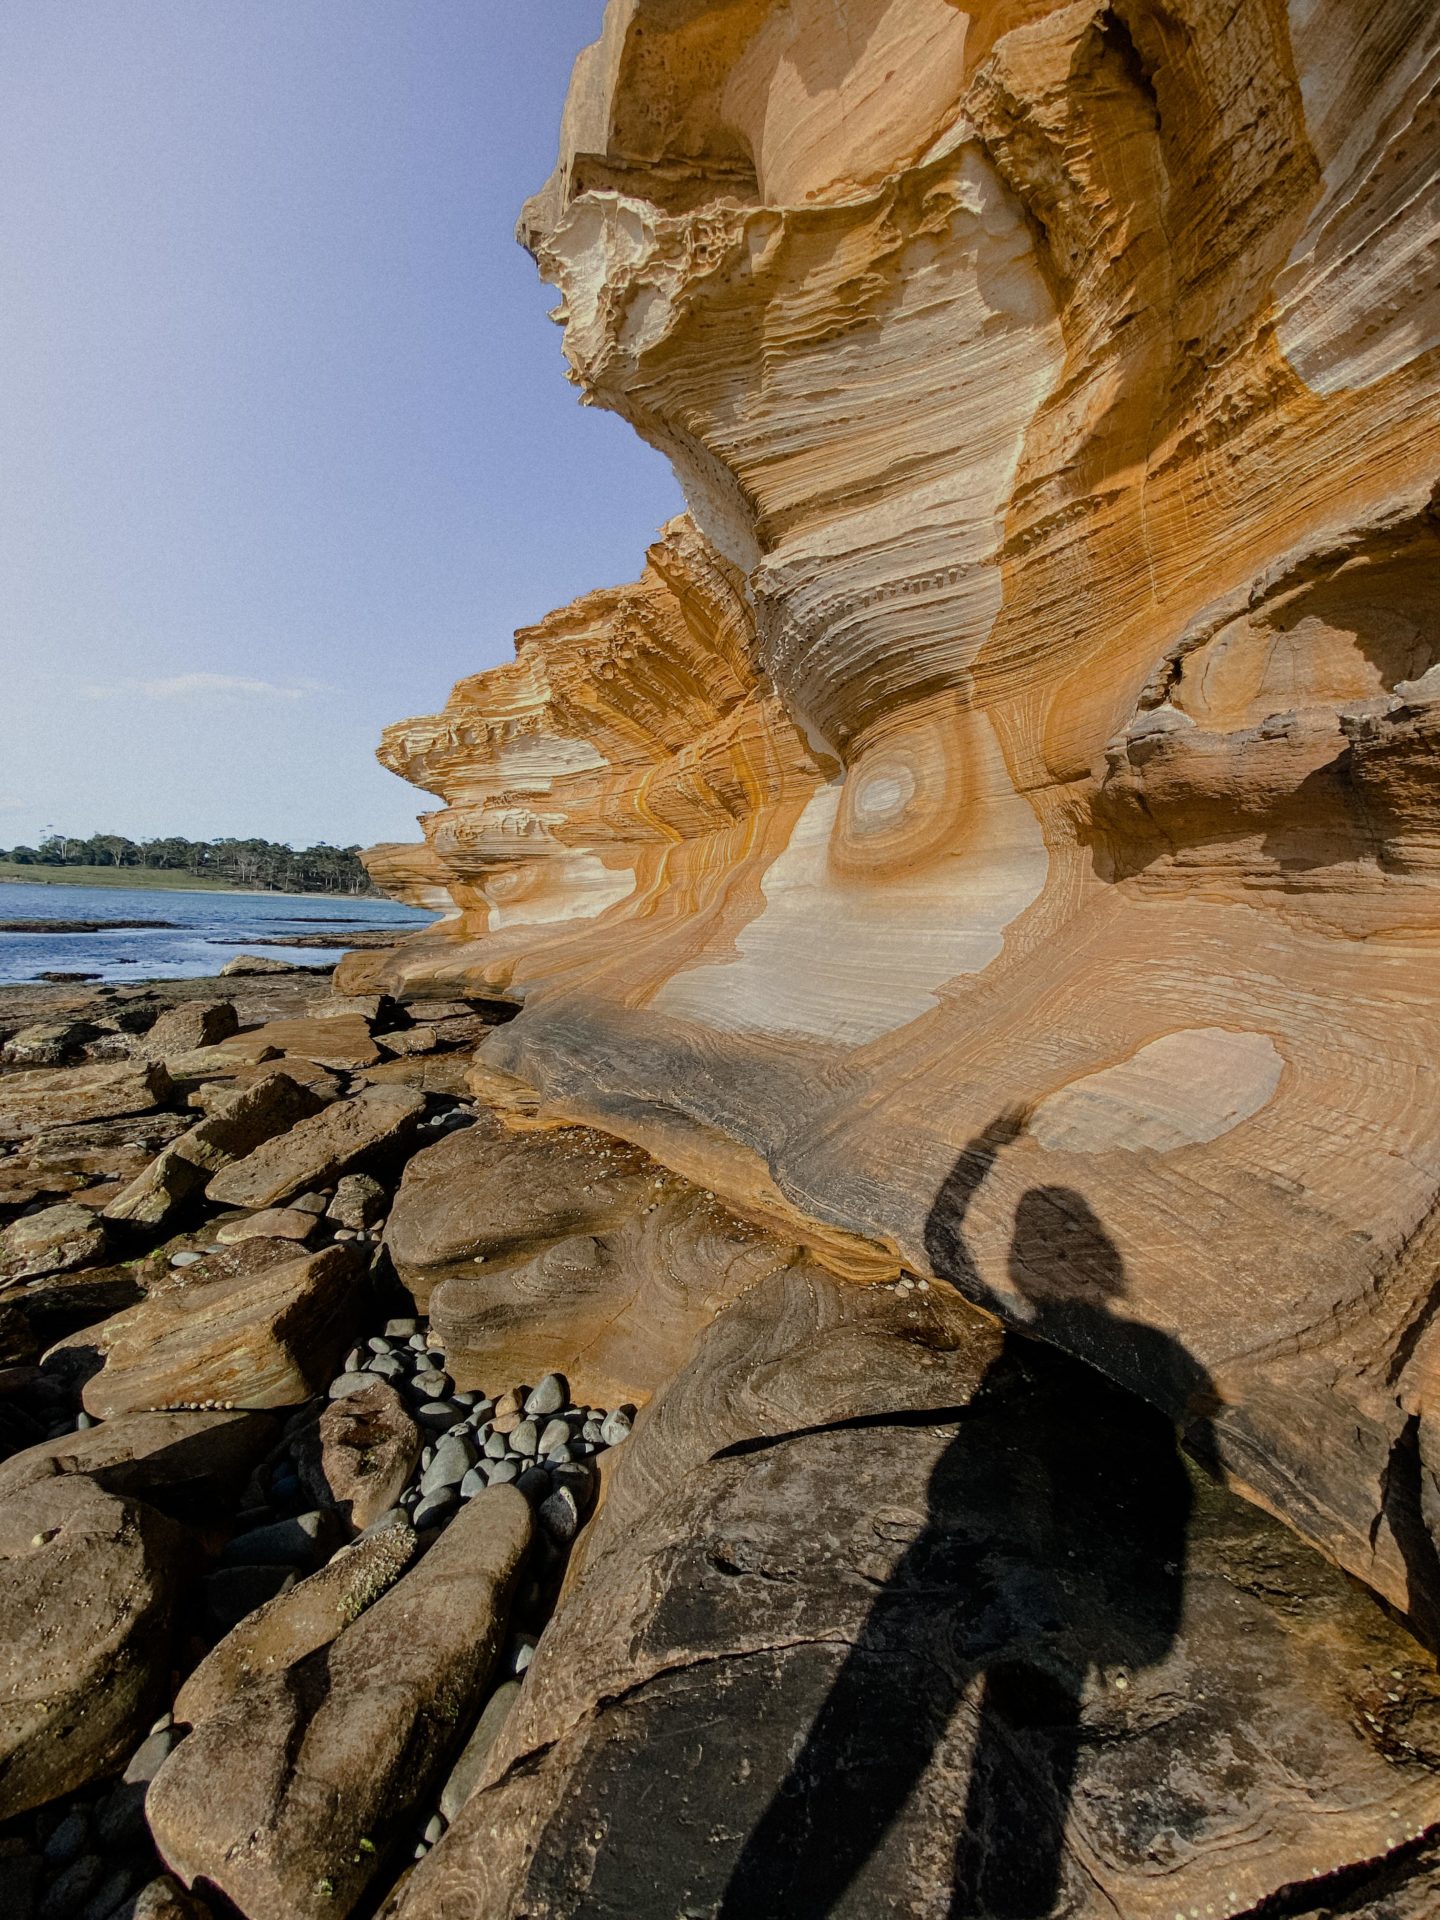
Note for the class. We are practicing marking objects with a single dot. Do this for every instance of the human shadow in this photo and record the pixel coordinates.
(1053, 1552)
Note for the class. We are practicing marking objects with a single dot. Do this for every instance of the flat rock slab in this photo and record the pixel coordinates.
(294, 1624)
(271, 1223)
(317, 1151)
(262, 1339)
(85, 1613)
(182, 1462)
(66, 1096)
(271, 1795)
(1017, 1661)
(339, 1040)
(239, 1124)
(55, 1240)
(198, 1023)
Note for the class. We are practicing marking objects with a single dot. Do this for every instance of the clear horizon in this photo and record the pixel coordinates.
(289, 447)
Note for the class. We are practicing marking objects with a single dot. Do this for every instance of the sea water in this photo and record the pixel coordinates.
(206, 929)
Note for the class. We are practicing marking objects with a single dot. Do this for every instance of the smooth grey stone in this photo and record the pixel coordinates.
(591, 1430)
(503, 1472)
(525, 1439)
(616, 1426)
(285, 1543)
(63, 1897)
(417, 1343)
(427, 1454)
(167, 1719)
(185, 1259)
(484, 1405)
(436, 1415)
(120, 1817)
(386, 1367)
(69, 1840)
(434, 1828)
(453, 1460)
(579, 1476)
(560, 1515)
(466, 1399)
(522, 1651)
(534, 1483)
(392, 1517)
(354, 1360)
(474, 1482)
(550, 1396)
(434, 1507)
(378, 1343)
(435, 1358)
(555, 1433)
(421, 1847)
(146, 1759)
(84, 1422)
(466, 1771)
(349, 1383)
(497, 1446)
(557, 1456)
(104, 1903)
(430, 1385)
(401, 1329)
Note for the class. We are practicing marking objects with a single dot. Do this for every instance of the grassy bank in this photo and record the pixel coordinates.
(162, 880)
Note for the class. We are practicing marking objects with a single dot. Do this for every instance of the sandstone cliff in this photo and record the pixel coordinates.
(998, 834)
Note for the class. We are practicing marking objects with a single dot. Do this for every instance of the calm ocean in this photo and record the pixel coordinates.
(207, 929)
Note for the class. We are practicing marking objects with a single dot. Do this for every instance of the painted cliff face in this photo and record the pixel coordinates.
(1029, 735)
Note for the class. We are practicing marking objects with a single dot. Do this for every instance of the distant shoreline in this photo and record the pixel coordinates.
(131, 877)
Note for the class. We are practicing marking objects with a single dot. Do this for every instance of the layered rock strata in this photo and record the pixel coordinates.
(996, 834)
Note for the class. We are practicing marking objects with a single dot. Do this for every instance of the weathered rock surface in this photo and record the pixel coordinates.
(266, 1338)
(1009, 792)
(232, 1129)
(1010, 1659)
(88, 1594)
(47, 1097)
(361, 1454)
(295, 1624)
(270, 1796)
(341, 1040)
(186, 1463)
(54, 1240)
(198, 1023)
(48, 1043)
(319, 1150)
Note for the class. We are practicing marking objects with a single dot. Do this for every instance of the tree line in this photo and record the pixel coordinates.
(262, 864)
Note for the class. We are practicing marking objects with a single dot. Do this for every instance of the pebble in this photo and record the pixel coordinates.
(185, 1259)
(525, 1439)
(69, 1840)
(509, 1403)
(430, 1385)
(63, 1897)
(401, 1329)
(84, 1422)
(474, 1482)
(534, 1483)
(496, 1447)
(550, 1396)
(560, 1515)
(380, 1343)
(591, 1430)
(522, 1652)
(503, 1472)
(146, 1759)
(386, 1367)
(437, 1415)
(616, 1426)
(348, 1383)
(453, 1459)
(560, 1456)
(291, 1542)
(555, 1433)
(417, 1343)
(315, 1203)
(434, 1828)
(434, 1507)
(354, 1360)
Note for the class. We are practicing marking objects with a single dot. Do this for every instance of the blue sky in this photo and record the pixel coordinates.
(286, 445)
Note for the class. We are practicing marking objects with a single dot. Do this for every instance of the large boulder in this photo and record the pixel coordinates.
(264, 1338)
(66, 1096)
(298, 1622)
(54, 1240)
(488, 1193)
(231, 1130)
(1012, 1659)
(361, 1453)
(187, 1463)
(195, 1023)
(271, 1796)
(317, 1151)
(86, 1605)
(48, 1043)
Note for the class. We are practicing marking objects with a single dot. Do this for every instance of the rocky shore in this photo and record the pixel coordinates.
(330, 1587)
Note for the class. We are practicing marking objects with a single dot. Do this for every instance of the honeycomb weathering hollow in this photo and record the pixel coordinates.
(999, 831)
